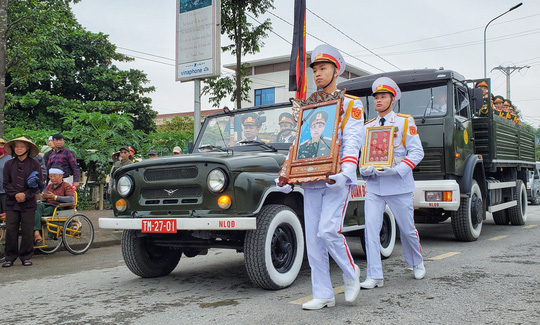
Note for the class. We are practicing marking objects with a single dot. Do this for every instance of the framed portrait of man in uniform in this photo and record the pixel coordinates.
(315, 151)
(379, 147)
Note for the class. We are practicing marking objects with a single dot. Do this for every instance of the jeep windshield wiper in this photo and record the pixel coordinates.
(211, 148)
(260, 143)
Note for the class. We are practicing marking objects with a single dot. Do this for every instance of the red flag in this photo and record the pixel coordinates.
(297, 68)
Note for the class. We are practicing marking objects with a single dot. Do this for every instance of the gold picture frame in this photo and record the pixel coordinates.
(379, 147)
(313, 160)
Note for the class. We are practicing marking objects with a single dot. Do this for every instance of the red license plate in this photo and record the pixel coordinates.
(159, 226)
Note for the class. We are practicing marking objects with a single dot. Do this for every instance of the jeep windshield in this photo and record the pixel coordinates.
(265, 128)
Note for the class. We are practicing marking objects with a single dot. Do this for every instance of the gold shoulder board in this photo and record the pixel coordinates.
(373, 119)
(351, 96)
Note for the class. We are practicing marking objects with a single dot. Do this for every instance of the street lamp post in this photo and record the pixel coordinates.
(504, 13)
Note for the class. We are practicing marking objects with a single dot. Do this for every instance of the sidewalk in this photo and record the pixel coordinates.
(102, 237)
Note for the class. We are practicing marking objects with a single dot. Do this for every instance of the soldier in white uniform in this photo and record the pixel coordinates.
(393, 186)
(325, 204)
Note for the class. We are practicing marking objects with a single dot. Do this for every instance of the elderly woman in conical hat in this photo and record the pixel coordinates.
(22, 176)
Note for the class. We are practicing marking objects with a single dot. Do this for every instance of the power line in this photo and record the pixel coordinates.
(145, 53)
(454, 33)
(322, 41)
(370, 51)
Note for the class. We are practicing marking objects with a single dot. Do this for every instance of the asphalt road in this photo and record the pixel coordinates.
(495, 280)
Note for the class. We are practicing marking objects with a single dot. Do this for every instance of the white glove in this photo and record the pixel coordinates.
(287, 188)
(367, 171)
(386, 171)
(340, 181)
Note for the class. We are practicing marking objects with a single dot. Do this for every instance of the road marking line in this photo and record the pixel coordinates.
(443, 256)
(530, 226)
(498, 237)
(303, 300)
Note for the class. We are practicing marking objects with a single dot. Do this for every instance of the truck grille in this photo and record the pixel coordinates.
(172, 192)
(154, 175)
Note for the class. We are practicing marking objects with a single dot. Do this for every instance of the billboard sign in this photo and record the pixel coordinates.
(198, 33)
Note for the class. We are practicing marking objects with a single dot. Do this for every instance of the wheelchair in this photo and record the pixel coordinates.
(66, 226)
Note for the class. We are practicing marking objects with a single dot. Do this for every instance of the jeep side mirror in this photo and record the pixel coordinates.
(536, 176)
(190, 146)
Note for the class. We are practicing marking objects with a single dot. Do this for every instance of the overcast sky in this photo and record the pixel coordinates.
(412, 34)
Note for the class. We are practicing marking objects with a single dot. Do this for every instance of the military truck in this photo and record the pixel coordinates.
(223, 195)
(475, 165)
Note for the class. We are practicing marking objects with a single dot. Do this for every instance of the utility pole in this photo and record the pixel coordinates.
(508, 71)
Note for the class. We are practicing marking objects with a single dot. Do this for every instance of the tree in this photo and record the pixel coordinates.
(52, 63)
(247, 39)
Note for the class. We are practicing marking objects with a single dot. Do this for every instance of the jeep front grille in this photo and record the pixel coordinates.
(154, 175)
(172, 192)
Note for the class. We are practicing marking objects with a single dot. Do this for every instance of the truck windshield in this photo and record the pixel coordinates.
(428, 102)
(272, 126)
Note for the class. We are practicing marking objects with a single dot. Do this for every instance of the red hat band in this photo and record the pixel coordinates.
(385, 88)
(326, 57)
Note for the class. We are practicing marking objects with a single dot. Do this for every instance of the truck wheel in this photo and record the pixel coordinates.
(146, 259)
(274, 252)
(388, 234)
(467, 220)
(501, 217)
(518, 213)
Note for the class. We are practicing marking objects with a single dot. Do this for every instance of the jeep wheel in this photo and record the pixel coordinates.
(518, 214)
(467, 220)
(145, 259)
(274, 252)
(387, 234)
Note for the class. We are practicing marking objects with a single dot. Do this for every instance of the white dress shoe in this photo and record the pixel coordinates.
(372, 283)
(419, 271)
(319, 303)
(352, 286)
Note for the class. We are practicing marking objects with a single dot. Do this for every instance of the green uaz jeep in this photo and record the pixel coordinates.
(223, 195)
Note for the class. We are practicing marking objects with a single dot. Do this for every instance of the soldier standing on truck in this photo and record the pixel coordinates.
(498, 105)
(325, 204)
(485, 93)
(393, 186)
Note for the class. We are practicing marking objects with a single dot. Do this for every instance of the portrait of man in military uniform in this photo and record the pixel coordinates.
(317, 145)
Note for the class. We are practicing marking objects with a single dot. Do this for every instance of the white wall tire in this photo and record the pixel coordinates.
(274, 252)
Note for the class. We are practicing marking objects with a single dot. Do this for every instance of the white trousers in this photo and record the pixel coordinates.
(403, 210)
(324, 210)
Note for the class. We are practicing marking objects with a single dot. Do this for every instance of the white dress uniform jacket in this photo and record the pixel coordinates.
(407, 154)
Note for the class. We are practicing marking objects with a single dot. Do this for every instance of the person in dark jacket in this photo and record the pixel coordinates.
(22, 178)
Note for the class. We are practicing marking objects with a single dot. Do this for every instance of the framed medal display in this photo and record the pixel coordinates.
(379, 148)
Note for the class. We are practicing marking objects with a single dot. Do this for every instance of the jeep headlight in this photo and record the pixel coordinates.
(124, 186)
(216, 180)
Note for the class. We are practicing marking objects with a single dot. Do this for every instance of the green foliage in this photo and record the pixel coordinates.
(246, 39)
(84, 199)
(179, 124)
(54, 64)
(164, 142)
(96, 136)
